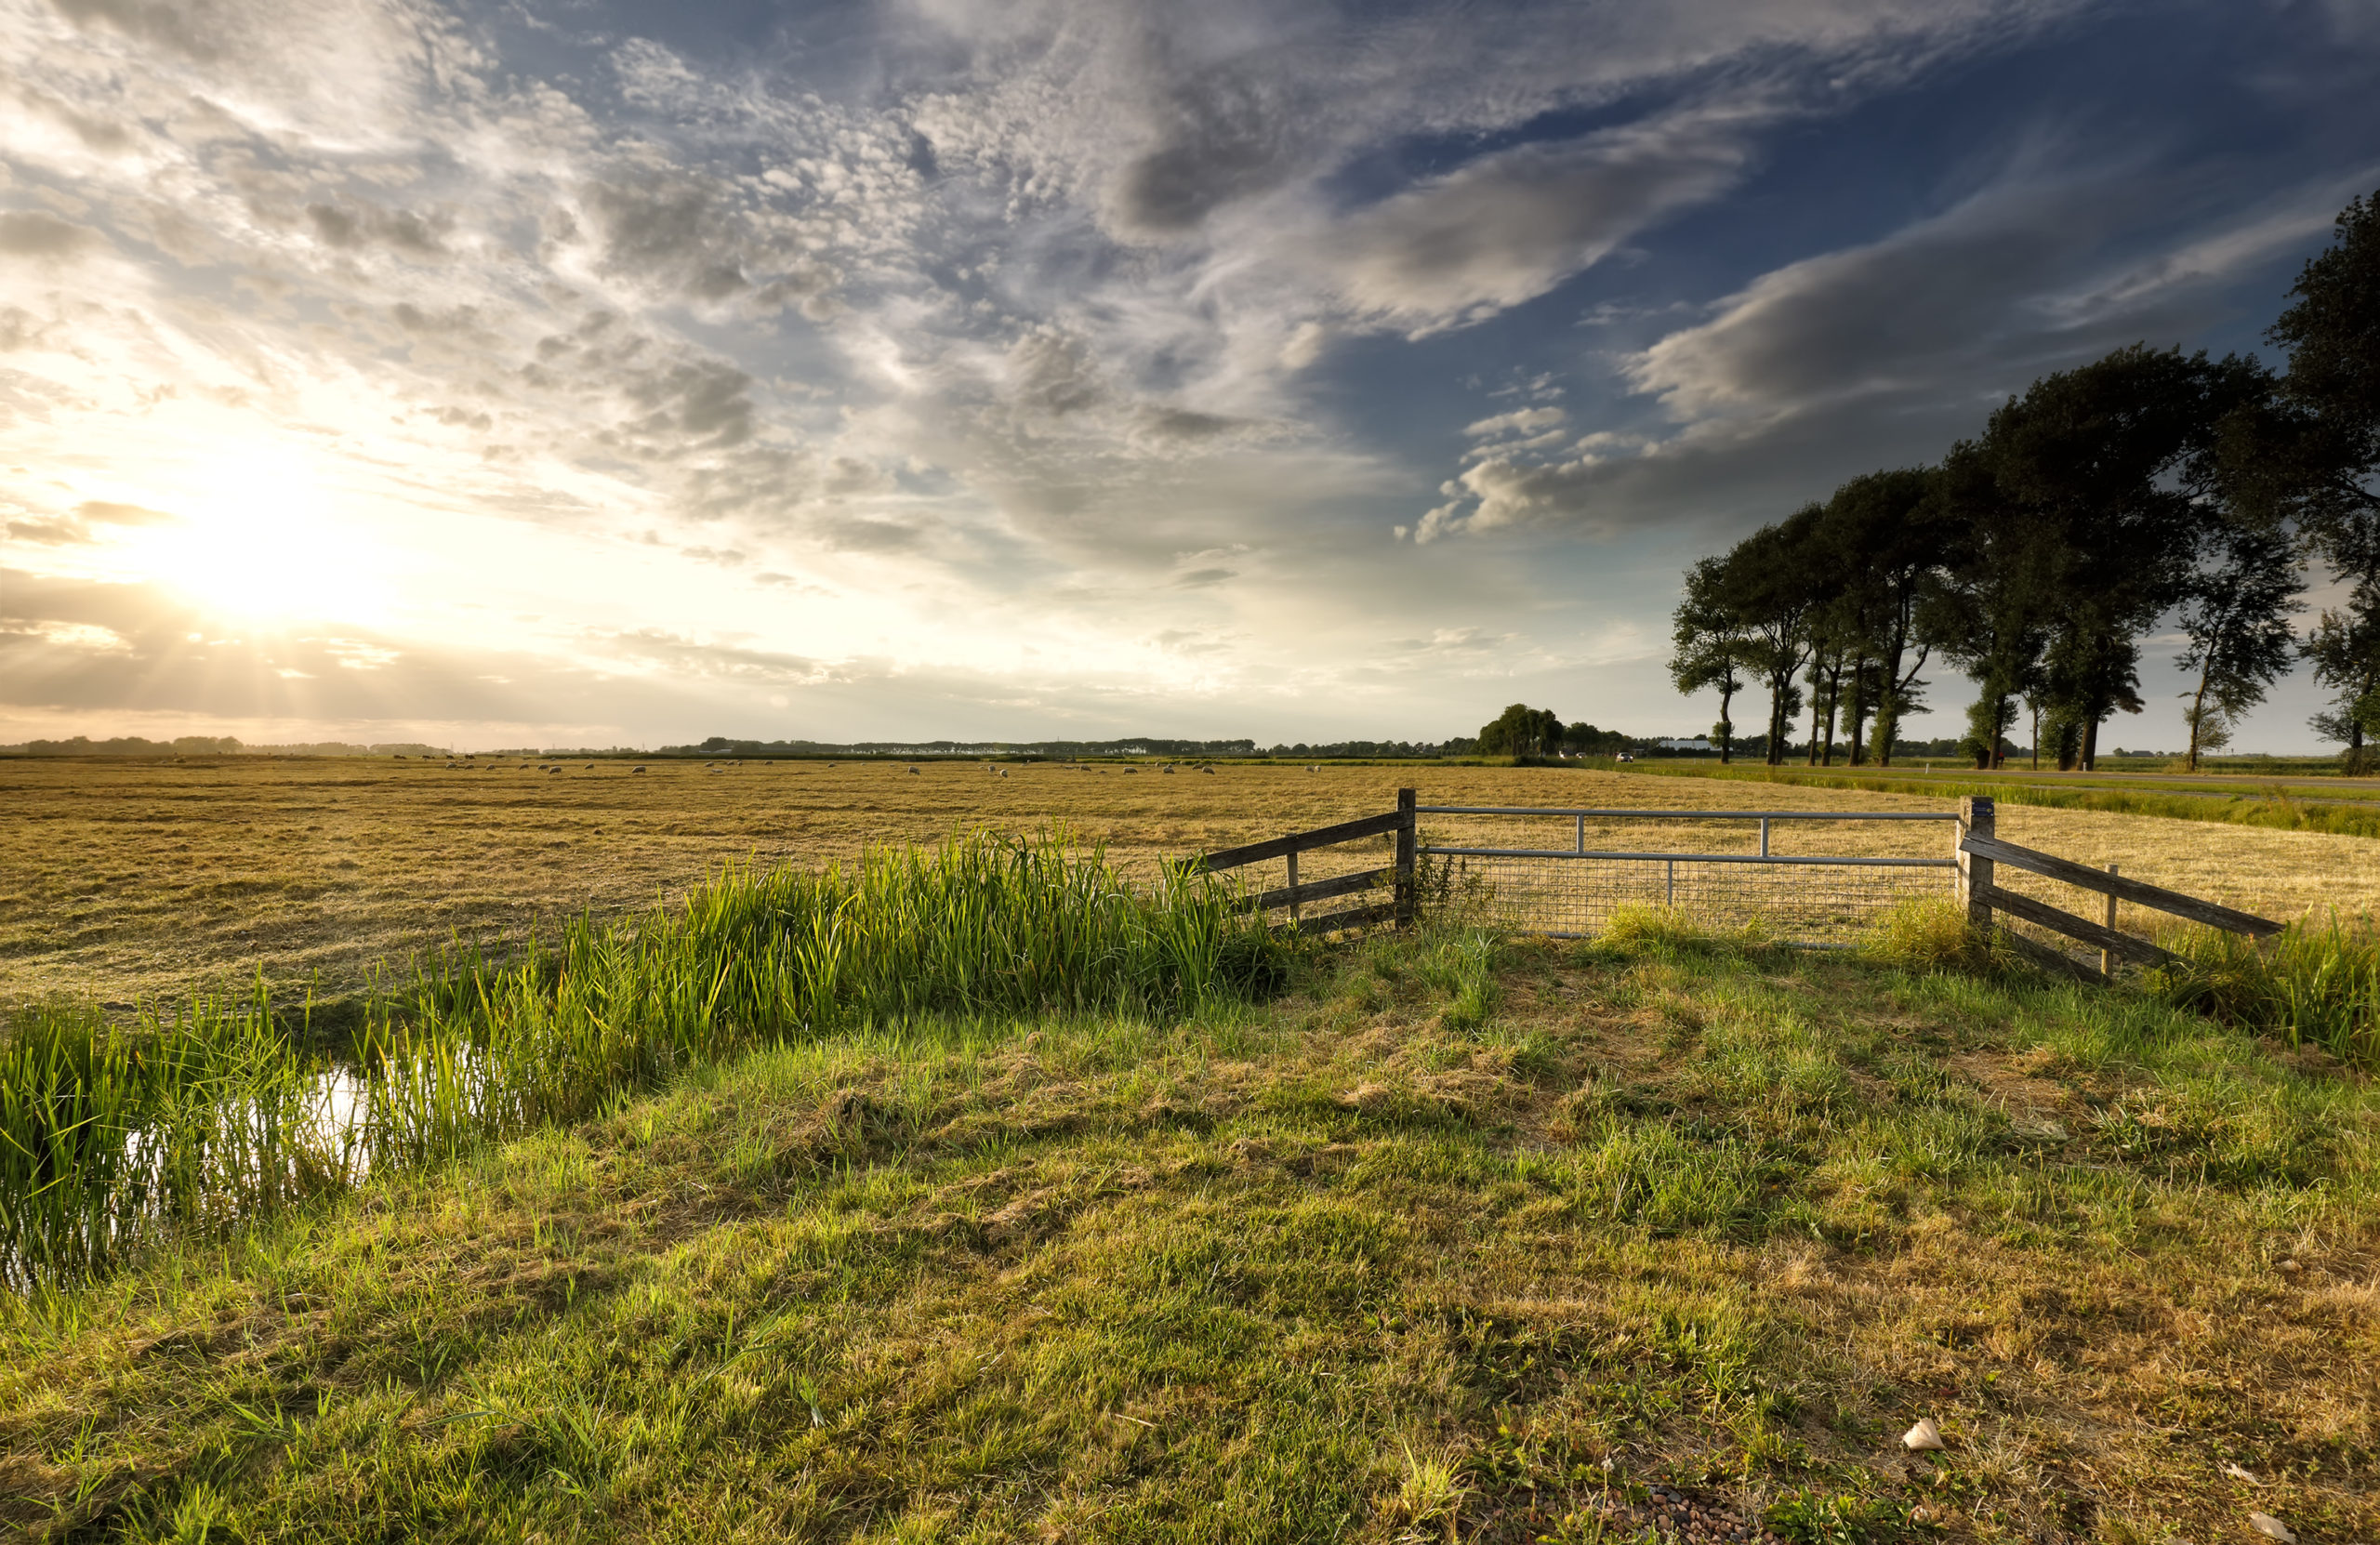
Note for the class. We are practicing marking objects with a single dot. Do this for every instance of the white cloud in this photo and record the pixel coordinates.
(1507, 229)
(1518, 421)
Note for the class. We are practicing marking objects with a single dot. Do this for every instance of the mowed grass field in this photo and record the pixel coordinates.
(1438, 1236)
(124, 881)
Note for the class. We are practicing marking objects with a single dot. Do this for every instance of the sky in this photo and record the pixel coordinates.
(622, 372)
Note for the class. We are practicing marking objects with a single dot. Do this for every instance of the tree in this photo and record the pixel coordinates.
(1774, 583)
(1708, 644)
(2084, 503)
(1986, 610)
(1521, 731)
(1584, 739)
(1885, 539)
(2345, 649)
(2325, 453)
(2236, 618)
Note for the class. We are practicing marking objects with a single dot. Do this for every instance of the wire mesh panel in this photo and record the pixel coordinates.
(1868, 863)
(1796, 902)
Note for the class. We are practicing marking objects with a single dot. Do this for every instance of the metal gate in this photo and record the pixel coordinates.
(1572, 892)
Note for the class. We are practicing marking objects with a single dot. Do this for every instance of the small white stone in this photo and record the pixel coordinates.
(2270, 1527)
(2238, 1474)
(1923, 1436)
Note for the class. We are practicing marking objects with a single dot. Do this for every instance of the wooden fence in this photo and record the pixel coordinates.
(1978, 851)
(1975, 848)
(1398, 909)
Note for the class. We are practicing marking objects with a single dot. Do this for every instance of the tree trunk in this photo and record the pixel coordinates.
(1859, 706)
(2090, 745)
(2198, 705)
(1727, 735)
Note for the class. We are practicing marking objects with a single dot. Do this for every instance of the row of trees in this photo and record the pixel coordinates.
(2036, 557)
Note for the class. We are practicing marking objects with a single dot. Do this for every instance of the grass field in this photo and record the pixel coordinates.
(126, 881)
(2335, 805)
(1458, 1240)
(1454, 1237)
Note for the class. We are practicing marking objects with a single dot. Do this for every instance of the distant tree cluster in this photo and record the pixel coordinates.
(1521, 731)
(134, 746)
(2035, 557)
(727, 746)
(1374, 749)
(217, 745)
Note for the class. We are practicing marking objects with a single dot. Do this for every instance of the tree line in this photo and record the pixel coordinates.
(2036, 557)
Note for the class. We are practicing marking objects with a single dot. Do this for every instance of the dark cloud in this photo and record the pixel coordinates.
(1053, 373)
(39, 233)
(702, 400)
(363, 225)
(1222, 137)
(20, 328)
(684, 234)
(870, 535)
(74, 530)
(49, 532)
(110, 513)
(660, 647)
(75, 645)
(1182, 426)
(181, 26)
(453, 322)
(670, 229)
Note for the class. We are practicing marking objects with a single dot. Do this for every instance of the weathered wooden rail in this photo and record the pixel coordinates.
(1398, 909)
(1979, 851)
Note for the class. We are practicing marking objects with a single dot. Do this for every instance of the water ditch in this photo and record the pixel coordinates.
(116, 1139)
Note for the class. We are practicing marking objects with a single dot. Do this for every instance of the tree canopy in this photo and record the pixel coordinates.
(2039, 554)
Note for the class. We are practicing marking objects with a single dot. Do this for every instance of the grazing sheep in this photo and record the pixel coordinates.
(636, 770)
(913, 771)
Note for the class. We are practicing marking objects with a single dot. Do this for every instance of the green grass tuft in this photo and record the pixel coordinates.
(2315, 985)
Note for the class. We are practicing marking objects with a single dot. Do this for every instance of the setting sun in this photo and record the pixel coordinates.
(267, 548)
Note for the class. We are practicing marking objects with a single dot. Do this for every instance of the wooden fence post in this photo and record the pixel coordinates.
(1407, 892)
(2107, 961)
(1975, 873)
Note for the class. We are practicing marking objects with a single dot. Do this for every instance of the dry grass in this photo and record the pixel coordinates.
(126, 879)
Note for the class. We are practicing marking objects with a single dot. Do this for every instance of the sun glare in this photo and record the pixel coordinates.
(265, 545)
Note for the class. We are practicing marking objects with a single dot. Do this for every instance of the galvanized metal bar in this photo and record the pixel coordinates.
(1697, 858)
(1763, 836)
(1583, 833)
(1692, 814)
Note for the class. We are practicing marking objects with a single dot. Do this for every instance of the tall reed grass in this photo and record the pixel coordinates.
(2316, 983)
(108, 1134)
(113, 1137)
